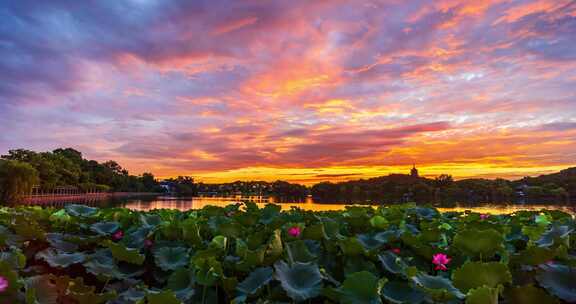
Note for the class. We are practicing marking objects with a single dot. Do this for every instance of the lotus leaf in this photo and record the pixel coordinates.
(255, 280)
(402, 292)
(60, 259)
(559, 281)
(301, 281)
(105, 228)
(360, 287)
(482, 295)
(529, 294)
(479, 243)
(171, 258)
(81, 210)
(477, 274)
(125, 254)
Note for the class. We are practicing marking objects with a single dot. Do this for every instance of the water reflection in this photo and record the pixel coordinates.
(180, 203)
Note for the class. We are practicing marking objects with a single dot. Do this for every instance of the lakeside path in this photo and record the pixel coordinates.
(85, 197)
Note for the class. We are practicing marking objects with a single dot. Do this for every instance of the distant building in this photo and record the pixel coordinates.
(414, 171)
(168, 186)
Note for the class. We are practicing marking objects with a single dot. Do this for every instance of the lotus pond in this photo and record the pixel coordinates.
(246, 254)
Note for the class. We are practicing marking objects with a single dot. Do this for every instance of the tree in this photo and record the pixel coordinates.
(149, 181)
(443, 181)
(16, 180)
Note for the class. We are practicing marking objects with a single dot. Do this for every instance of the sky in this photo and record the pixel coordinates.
(304, 91)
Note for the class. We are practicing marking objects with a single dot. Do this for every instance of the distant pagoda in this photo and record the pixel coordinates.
(414, 171)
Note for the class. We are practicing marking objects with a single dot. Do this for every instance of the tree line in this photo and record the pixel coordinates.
(21, 169)
(555, 188)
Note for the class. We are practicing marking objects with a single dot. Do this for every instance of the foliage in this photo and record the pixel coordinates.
(246, 254)
(16, 180)
(67, 167)
(558, 187)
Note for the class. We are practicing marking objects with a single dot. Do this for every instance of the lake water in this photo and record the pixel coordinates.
(167, 202)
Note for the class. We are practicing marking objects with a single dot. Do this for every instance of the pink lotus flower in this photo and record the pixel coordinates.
(440, 260)
(3, 284)
(118, 235)
(294, 231)
(148, 243)
(484, 216)
(395, 250)
(230, 213)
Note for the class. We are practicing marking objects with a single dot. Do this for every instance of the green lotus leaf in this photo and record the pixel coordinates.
(438, 286)
(543, 219)
(15, 258)
(250, 258)
(424, 250)
(219, 242)
(269, 213)
(392, 263)
(351, 246)
(257, 239)
(556, 233)
(425, 212)
(171, 258)
(369, 241)
(332, 229)
(559, 281)
(535, 255)
(86, 295)
(60, 259)
(255, 280)
(301, 281)
(208, 271)
(135, 238)
(314, 232)
(60, 241)
(445, 226)
(132, 295)
(356, 265)
(101, 263)
(162, 297)
(482, 295)
(275, 248)
(129, 270)
(484, 243)
(402, 292)
(533, 233)
(386, 236)
(60, 216)
(191, 231)
(125, 254)
(477, 274)
(105, 228)
(150, 220)
(5, 236)
(529, 294)
(81, 210)
(182, 282)
(231, 230)
(28, 228)
(379, 222)
(40, 290)
(298, 251)
(360, 287)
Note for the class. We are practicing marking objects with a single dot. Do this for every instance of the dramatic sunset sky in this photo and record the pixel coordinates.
(294, 90)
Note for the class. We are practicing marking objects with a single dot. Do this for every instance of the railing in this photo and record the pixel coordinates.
(50, 197)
